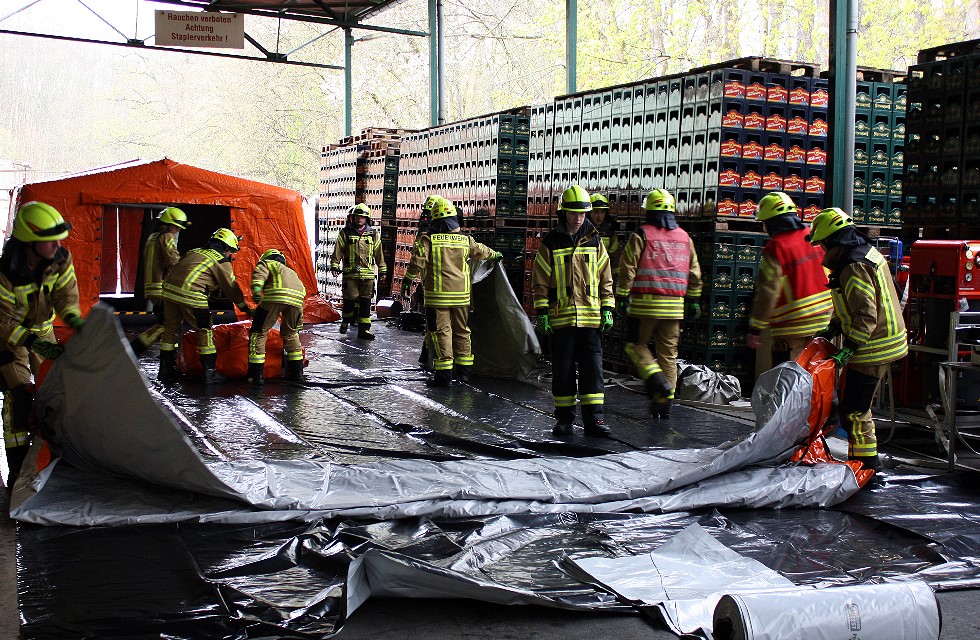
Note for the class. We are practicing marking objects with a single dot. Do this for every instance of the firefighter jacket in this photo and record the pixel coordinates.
(199, 273)
(866, 305)
(358, 252)
(29, 300)
(791, 295)
(659, 268)
(279, 283)
(159, 256)
(610, 239)
(571, 279)
(443, 260)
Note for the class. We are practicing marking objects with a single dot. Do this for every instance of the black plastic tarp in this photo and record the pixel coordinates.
(232, 512)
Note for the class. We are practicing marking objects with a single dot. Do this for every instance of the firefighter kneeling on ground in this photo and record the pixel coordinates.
(868, 315)
(37, 280)
(358, 250)
(658, 271)
(277, 292)
(185, 299)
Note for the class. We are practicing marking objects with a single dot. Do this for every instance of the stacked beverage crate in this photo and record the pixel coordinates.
(942, 144)
(879, 144)
(358, 169)
(481, 165)
(338, 187)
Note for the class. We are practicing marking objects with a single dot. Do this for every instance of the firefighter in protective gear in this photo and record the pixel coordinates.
(185, 296)
(608, 228)
(37, 281)
(572, 288)
(160, 254)
(791, 295)
(278, 293)
(868, 315)
(425, 217)
(358, 250)
(659, 270)
(442, 258)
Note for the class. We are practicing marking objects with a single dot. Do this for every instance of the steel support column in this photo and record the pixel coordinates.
(434, 69)
(843, 93)
(571, 45)
(348, 80)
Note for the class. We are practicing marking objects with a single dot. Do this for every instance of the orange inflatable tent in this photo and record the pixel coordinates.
(113, 212)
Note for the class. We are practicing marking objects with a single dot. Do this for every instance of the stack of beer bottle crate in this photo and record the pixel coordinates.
(362, 168)
(879, 144)
(481, 165)
(942, 144)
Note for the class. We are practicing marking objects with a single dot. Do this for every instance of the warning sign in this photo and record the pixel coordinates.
(200, 29)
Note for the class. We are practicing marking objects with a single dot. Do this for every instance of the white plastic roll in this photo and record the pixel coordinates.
(894, 611)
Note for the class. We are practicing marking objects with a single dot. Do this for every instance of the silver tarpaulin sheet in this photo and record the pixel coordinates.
(102, 416)
(903, 611)
(704, 588)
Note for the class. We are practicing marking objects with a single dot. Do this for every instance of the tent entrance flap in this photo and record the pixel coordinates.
(125, 230)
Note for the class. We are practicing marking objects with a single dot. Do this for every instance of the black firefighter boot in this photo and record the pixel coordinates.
(256, 373)
(364, 331)
(15, 460)
(442, 378)
(294, 370)
(168, 367)
(211, 376)
(661, 395)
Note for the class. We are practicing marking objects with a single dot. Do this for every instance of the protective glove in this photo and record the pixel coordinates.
(248, 310)
(832, 331)
(842, 356)
(496, 256)
(47, 350)
(622, 304)
(695, 309)
(74, 321)
(257, 294)
(544, 323)
(406, 288)
(607, 320)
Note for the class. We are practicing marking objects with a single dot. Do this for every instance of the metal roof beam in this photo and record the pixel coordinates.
(139, 44)
(301, 17)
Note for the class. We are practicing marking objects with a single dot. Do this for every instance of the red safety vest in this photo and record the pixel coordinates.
(665, 263)
(801, 264)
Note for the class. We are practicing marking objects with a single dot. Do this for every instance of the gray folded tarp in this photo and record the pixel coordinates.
(699, 383)
(103, 417)
(504, 342)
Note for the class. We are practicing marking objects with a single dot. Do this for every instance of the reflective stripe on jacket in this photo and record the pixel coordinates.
(279, 283)
(159, 256)
(28, 301)
(358, 253)
(791, 295)
(867, 307)
(199, 273)
(443, 261)
(659, 268)
(572, 281)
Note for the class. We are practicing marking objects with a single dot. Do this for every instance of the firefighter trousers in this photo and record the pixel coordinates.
(449, 337)
(665, 334)
(289, 326)
(860, 384)
(576, 374)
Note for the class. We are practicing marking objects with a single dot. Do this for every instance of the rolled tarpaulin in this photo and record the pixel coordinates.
(894, 611)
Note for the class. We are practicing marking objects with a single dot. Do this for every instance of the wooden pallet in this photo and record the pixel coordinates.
(750, 225)
(769, 65)
(869, 74)
(952, 50)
